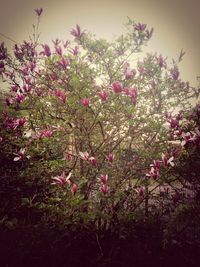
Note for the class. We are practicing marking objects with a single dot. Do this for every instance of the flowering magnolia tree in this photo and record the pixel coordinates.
(96, 134)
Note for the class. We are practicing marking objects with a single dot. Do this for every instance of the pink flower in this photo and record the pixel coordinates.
(62, 179)
(64, 63)
(85, 102)
(47, 51)
(60, 95)
(19, 98)
(103, 95)
(156, 164)
(20, 122)
(58, 50)
(74, 188)
(69, 156)
(149, 33)
(39, 11)
(21, 155)
(77, 33)
(110, 157)
(129, 73)
(167, 161)
(84, 155)
(93, 161)
(75, 50)
(47, 133)
(104, 188)
(154, 173)
(140, 191)
(175, 73)
(117, 87)
(140, 27)
(104, 178)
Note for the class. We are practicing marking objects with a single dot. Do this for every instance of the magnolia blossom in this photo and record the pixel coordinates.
(93, 161)
(110, 157)
(64, 63)
(62, 179)
(77, 33)
(58, 50)
(140, 27)
(154, 173)
(103, 95)
(47, 51)
(47, 133)
(117, 87)
(21, 155)
(167, 161)
(84, 155)
(60, 95)
(140, 191)
(104, 188)
(39, 11)
(74, 188)
(85, 102)
(19, 98)
(175, 73)
(104, 178)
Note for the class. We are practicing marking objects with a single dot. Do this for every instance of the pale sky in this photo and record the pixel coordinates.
(176, 23)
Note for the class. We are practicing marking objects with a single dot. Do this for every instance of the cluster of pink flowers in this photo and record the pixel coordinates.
(45, 133)
(104, 187)
(13, 124)
(167, 160)
(178, 133)
(85, 156)
(62, 180)
(128, 72)
(131, 92)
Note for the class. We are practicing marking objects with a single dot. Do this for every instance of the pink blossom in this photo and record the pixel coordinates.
(64, 63)
(104, 188)
(47, 133)
(60, 95)
(149, 33)
(85, 102)
(175, 73)
(140, 191)
(47, 51)
(153, 173)
(77, 33)
(58, 50)
(74, 188)
(110, 157)
(20, 122)
(104, 178)
(167, 161)
(19, 98)
(62, 179)
(129, 73)
(93, 161)
(21, 155)
(75, 50)
(117, 87)
(140, 27)
(84, 155)
(39, 11)
(103, 95)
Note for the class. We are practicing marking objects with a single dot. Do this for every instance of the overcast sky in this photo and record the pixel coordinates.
(176, 23)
